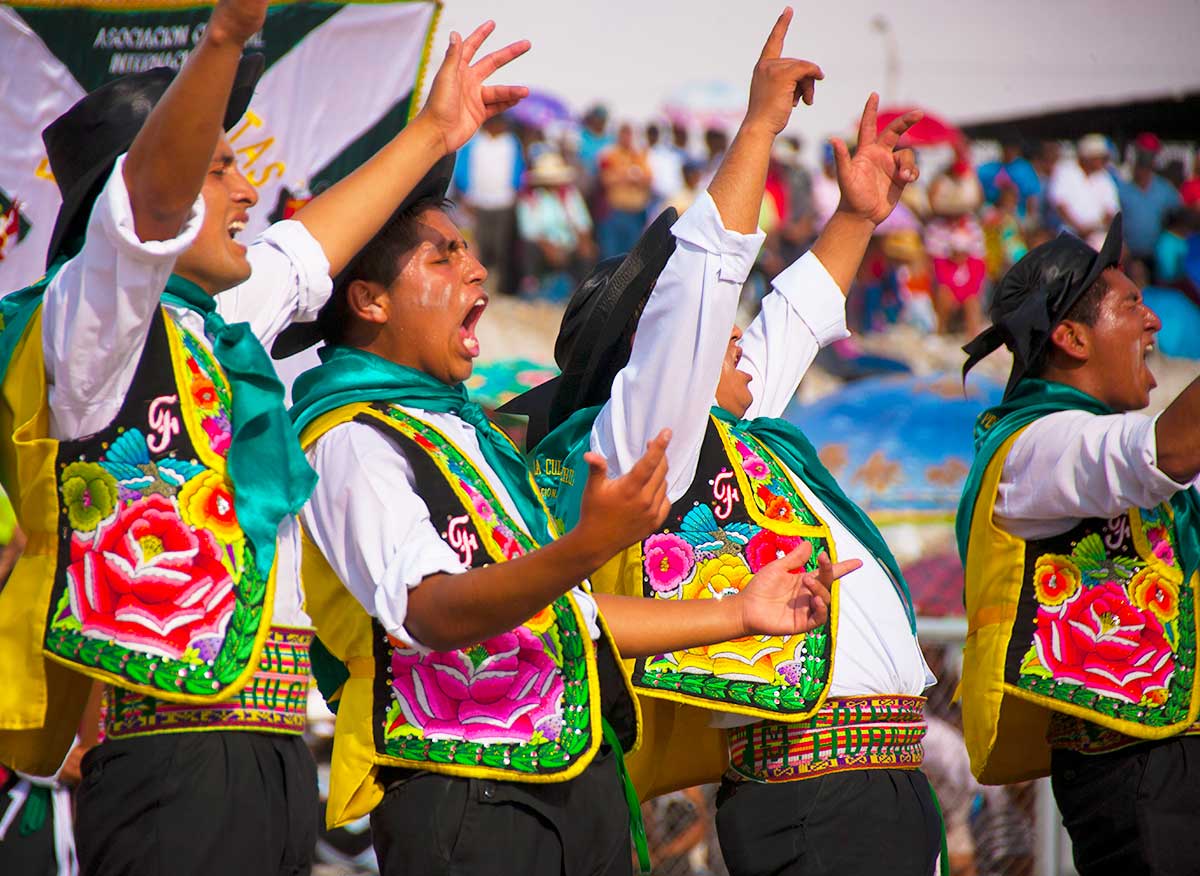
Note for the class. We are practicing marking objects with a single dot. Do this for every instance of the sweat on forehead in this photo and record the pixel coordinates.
(383, 256)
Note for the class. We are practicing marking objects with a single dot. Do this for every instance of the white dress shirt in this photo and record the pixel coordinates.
(374, 529)
(97, 312)
(1072, 465)
(673, 370)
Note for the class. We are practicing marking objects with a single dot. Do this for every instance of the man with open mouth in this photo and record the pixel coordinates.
(482, 711)
(155, 470)
(818, 737)
(1079, 527)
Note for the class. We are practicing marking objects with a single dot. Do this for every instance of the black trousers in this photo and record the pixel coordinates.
(436, 825)
(234, 803)
(1136, 810)
(858, 822)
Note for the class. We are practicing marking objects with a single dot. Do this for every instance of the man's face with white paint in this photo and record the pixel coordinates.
(435, 302)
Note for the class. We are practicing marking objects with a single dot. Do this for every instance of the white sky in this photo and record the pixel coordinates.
(966, 60)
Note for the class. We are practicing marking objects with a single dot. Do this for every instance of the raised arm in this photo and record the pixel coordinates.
(806, 309)
(1177, 433)
(171, 155)
(348, 214)
(684, 330)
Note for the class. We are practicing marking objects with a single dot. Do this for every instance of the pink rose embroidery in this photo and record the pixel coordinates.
(146, 580)
(753, 464)
(668, 561)
(1160, 544)
(219, 434)
(502, 690)
(1098, 639)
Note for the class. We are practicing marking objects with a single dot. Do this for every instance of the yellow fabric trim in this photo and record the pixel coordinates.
(346, 630)
(1171, 573)
(187, 404)
(423, 67)
(40, 702)
(1005, 726)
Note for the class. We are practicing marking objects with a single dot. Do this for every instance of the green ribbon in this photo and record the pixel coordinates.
(37, 807)
(1030, 400)
(572, 439)
(347, 376)
(637, 827)
(271, 477)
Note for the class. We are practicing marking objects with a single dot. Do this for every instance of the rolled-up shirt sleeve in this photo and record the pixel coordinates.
(671, 378)
(804, 312)
(289, 282)
(97, 310)
(1072, 465)
(373, 529)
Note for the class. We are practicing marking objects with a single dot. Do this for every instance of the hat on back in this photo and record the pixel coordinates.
(1036, 294)
(84, 142)
(593, 340)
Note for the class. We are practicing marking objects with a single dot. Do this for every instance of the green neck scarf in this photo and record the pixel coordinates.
(16, 309)
(347, 375)
(1030, 400)
(270, 476)
(572, 439)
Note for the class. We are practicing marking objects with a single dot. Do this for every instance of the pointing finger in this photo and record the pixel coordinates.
(773, 47)
(867, 129)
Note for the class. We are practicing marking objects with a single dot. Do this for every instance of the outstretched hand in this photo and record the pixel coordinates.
(873, 180)
(459, 100)
(616, 512)
(779, 83)
(782, 599)
(237, 20)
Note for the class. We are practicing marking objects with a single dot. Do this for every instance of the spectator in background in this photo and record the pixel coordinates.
(1145, 201)
(488, 175)
(625, 177)
(555, 227)
(1044, 157)
(954, 239)
(666, 164)
(680, 138)
(1084, 192)
(593, 139)
(693, 178)
(825, 192)
(1003, 241)
(789, 152)
(1019, 172)
(716, 142)
(1171, 251)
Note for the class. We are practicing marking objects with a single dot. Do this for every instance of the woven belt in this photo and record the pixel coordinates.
(854, 733)
(274, 700)
(1069, 733)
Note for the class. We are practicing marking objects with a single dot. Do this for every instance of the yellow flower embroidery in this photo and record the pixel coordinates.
(206, 502)
(1150, 590)
(1055, 579)
(750, 658)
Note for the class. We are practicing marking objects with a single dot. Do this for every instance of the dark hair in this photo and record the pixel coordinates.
(377, 262)
(1085, 310)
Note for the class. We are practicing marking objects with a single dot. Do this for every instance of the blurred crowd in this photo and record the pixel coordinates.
(547, 202)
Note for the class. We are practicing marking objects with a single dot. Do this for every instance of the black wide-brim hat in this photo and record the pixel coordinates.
(300, 336)
(84, 142)
(593, 340)
(1036, 294)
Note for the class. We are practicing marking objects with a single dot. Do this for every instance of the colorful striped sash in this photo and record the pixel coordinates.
(273, 701)
(854, 733)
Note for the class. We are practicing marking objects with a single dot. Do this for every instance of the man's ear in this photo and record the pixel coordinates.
(1073, 340)
(368, 301)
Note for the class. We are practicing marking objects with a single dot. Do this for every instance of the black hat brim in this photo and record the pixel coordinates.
(299, 336)
(81, 194)
(586, 377)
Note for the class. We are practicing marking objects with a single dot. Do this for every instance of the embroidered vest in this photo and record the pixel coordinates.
(136, 573)
(524, 706)
(1096, 624)
(740, 512)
